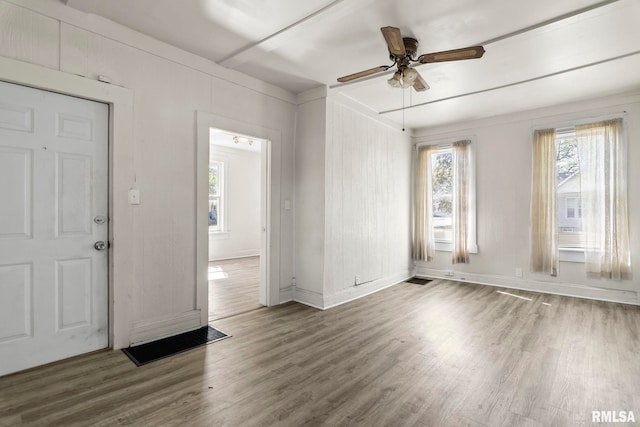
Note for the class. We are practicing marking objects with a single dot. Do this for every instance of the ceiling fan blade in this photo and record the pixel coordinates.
(419, 84)
(453, 55)
(363, 73)
(394, 41)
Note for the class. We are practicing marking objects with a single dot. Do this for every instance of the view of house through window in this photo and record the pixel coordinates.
(216, 176)
(441, 165)
(570, 233)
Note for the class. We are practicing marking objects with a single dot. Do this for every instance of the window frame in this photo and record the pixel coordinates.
(577, 254)
(447, 145)
(221, 229)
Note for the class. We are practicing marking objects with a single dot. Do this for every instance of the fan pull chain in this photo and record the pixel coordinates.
(402, 109)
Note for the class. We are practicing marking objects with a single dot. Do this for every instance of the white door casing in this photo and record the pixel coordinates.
(53, 209)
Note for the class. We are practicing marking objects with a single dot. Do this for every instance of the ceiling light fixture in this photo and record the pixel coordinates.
(242, 140)
(409, 76)
(403, 78)
(396, 79)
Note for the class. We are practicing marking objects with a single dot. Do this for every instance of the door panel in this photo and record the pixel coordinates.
(53, 183)
(15, 305)
(73, 293)
(15, 190)
(73, 195)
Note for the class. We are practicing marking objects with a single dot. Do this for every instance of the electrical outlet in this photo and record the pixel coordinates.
(449, 273)
(357, 279)
(518, 272)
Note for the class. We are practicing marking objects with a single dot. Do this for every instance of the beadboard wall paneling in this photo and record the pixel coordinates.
(29, 36)
(367, 200)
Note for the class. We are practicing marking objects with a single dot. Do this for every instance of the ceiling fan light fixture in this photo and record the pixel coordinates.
(409, 76)
(396, 79)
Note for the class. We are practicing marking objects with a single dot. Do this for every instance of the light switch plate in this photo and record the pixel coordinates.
(134, 197)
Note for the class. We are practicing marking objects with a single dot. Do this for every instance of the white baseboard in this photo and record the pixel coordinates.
(286, 294)
(322, 302)
(237, 254)
(554, 288)
(150, 330)
(349, 294)
(307, 297)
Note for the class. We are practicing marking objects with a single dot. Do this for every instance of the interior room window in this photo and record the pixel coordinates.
(570, 233)
(442, 195)
(444, 201)
(216, 196)
(579, 198)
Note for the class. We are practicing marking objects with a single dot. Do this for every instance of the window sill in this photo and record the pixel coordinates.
(218, 235)
(444, 246)
(571, 255)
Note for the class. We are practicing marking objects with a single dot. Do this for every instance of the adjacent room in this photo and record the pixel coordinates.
(331, 212)
(235, 218)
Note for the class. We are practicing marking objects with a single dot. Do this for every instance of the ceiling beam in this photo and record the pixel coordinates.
(227, 61)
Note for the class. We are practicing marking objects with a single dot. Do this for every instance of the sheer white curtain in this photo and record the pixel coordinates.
(544, 227)
(423, 241)
(461, 164)
(603, 181)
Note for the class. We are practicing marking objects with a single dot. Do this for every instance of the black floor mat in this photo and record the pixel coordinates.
(155, 350)
(418, 281)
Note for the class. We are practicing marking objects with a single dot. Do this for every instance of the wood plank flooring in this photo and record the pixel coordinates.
(441, 354)
(233, 286)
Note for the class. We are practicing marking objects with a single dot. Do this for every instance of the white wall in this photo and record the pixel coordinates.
(241, 236)
(503, 200)
(368, 179)
(310, 197)
(169, 86)
(352, 203)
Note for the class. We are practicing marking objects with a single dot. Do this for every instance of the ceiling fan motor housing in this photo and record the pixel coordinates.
(411, 46)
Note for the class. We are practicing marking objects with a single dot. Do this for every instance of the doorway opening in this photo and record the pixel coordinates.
(237, 180)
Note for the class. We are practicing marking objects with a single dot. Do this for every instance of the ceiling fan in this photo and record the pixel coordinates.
(402, 51)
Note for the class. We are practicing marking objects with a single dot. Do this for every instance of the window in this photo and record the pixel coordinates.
(570, 233)
(444, 201)
(216, 196)
(579, 198)
(442, 195)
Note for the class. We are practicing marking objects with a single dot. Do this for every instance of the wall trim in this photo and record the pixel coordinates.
(151, 330)
(356, 292)
(307, 297)
(270, 243)
(311, 95)
(286, 294)
(564, 289)
(325, 302)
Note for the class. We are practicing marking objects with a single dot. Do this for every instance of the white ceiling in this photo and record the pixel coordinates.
(538, 53)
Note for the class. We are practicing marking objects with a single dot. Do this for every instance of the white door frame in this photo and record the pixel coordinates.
(269, 288)
(120, 101)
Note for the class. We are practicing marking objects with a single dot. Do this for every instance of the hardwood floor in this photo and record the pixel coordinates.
(442, 354)
(233, 286)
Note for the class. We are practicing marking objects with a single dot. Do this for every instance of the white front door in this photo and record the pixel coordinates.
(53, 210)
